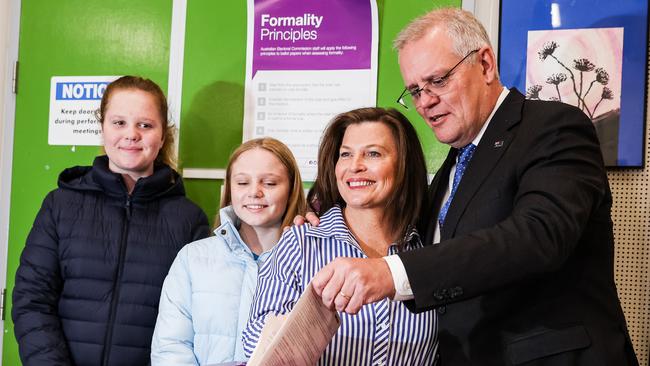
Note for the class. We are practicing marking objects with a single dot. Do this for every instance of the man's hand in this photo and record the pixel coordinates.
(346, 284)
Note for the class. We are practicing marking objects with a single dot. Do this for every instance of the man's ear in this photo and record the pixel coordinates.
(488, 62)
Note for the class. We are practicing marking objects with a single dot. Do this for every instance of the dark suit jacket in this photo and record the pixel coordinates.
(523, 274)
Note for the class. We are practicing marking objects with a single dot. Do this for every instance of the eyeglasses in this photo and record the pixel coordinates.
(432, 87)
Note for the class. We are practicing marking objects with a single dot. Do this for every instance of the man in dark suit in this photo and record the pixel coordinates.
(520, 257)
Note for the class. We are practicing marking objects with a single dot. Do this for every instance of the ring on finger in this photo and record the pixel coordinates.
(344, 295)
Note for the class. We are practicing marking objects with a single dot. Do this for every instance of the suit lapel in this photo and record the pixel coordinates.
(436, 193)
(493, 144)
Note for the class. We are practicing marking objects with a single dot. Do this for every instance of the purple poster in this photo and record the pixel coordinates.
(306, 62)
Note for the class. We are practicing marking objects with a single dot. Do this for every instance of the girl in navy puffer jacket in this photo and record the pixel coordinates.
(90, 276)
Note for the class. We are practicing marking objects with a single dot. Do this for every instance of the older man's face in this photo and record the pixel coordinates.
(456, 112)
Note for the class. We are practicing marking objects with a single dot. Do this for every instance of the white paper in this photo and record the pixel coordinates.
(298, 338)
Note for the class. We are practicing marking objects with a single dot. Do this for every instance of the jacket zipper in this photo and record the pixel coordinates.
(116, 287)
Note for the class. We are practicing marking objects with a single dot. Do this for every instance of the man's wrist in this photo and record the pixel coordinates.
(400, 279)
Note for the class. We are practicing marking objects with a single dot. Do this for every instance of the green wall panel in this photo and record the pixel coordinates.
(213, 92)
(213, 82)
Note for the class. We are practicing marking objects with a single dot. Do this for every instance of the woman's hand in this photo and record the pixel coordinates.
(300, 220)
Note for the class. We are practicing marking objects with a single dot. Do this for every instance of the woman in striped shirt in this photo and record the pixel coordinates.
(369, 189)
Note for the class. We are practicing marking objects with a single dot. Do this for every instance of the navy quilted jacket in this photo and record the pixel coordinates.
(90, 276)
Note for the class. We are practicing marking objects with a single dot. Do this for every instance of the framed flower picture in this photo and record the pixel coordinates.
(588, 53)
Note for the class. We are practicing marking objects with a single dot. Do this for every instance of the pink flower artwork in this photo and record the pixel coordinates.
(582, 67)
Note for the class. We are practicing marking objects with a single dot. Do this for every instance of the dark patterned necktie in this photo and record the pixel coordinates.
(465, 155)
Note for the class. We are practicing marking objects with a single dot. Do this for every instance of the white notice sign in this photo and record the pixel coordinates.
(74, 101)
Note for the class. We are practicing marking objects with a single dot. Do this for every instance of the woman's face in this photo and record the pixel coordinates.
(259, 188)
(365, 171)
(133, 132)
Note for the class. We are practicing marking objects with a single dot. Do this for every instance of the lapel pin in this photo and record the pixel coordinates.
(498, 143)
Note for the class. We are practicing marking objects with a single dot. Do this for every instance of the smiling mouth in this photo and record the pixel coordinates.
(362, 183)
(255, 207)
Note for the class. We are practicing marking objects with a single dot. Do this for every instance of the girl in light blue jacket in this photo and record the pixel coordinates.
(207, 294)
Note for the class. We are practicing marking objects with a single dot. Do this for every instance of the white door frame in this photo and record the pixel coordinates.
(8, 110)
(176, 61)
(487, 11)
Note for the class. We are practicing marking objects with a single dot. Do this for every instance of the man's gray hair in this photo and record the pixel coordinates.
(464, 30)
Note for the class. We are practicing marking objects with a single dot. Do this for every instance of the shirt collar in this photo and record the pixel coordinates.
(502, 97)
(332, 224)
(229, 230)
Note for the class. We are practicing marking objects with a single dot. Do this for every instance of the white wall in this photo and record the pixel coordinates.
(8, 47)
(4, 45)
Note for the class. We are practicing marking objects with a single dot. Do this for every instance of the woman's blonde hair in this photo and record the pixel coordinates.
(296, 203)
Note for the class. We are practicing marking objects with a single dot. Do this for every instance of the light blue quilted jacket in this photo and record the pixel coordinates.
(206, 298)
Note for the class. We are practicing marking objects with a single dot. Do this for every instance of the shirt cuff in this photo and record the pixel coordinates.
(400, 279)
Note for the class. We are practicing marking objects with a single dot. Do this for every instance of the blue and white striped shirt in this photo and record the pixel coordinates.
(383, 333)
